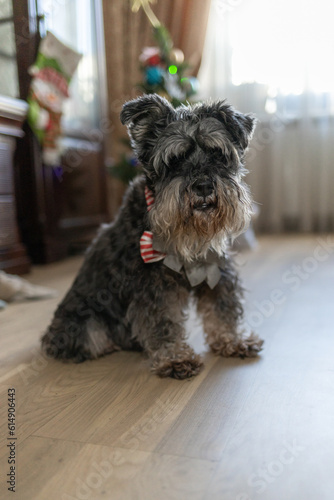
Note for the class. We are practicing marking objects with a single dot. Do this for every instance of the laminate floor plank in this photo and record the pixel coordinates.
(62, 470)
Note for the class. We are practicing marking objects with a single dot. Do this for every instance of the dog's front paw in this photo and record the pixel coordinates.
(179, 368)
(252, 345)
(248, 347)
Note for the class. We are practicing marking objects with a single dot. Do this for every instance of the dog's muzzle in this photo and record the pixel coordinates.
(203, 190)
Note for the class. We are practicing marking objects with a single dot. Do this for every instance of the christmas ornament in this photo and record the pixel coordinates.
(194, 85)
(150, 56)
(52, 73)
(176, 56)
(153, 75)
(173, 88)
(190, 85)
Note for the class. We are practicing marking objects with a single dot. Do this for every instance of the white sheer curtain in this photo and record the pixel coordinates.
(275, 59)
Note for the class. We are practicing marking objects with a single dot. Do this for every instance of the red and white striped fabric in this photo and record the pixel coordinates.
(51, 75)
(149, 198)
(147, 251)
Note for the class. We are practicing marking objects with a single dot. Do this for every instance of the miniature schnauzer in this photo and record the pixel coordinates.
(168, 242)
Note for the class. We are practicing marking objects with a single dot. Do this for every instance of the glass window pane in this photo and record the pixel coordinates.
(8, 66)
(73, 22)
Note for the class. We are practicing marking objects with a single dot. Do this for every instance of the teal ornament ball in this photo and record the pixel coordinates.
(194, 85)
(153, 75)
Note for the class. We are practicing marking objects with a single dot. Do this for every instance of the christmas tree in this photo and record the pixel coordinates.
(164, 72)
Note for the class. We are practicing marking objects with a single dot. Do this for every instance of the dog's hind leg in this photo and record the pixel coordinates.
(77, 339)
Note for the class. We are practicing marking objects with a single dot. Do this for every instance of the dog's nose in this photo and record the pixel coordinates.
(203, 188)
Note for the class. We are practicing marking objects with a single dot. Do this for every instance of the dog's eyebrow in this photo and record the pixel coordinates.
(211, 135)
(175, 143)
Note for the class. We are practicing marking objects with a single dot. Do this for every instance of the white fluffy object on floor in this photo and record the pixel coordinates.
(14, 288)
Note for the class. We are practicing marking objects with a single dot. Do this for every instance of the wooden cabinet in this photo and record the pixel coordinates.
(13, 256)
(60, 208)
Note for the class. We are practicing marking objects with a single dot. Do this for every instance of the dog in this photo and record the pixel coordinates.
(169, 242)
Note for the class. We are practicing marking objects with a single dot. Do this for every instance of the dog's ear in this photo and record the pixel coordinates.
(239, 126)
(146, 117)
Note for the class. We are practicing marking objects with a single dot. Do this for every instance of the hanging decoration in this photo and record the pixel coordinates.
(51, 75)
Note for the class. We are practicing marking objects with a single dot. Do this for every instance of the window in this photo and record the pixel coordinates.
(271, 56)
(73, 22)
(287, 45)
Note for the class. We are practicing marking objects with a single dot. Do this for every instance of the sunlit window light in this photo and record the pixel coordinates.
(286, 45)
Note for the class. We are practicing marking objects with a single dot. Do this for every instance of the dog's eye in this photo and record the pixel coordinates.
(173, 161)
(221, 158)
(217, 152)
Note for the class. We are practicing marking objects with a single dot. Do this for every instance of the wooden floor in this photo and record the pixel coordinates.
(242, 430)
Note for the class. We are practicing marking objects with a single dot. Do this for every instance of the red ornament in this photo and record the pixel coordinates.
(150, 56)
(154, 60)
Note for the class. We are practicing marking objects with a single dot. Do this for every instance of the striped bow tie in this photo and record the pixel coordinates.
(196, 272)
(147, 252)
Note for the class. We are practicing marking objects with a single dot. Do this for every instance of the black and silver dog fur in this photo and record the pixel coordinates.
(192, 160)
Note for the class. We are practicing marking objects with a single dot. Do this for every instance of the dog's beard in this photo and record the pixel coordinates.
(190, 228)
